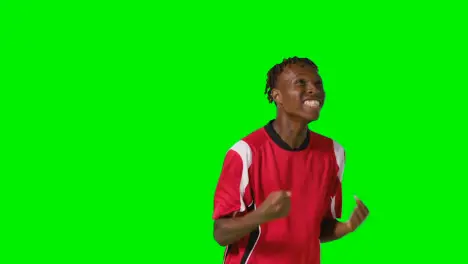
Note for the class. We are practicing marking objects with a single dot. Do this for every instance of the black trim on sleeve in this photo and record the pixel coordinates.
(252, 239)
(228, 250)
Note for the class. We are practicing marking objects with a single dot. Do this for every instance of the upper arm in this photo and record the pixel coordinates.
(336, 195)
(232, 193)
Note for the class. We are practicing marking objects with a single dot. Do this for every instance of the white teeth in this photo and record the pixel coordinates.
(312, 103)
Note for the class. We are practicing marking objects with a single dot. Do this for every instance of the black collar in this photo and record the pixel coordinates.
(277, 139)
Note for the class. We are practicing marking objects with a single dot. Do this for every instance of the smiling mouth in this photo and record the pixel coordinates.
(312, 103)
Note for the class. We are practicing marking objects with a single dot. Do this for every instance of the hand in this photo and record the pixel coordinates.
(276, 205)
(358, 216)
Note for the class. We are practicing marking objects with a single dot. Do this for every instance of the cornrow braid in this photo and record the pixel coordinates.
(274, 72)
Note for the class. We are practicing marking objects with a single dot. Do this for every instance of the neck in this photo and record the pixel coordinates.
(293, 132)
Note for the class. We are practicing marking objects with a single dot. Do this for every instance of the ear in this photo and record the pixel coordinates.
(276, 95)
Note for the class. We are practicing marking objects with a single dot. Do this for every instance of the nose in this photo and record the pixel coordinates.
(312, 89)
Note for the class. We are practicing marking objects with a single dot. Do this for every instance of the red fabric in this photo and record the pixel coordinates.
(312, 177)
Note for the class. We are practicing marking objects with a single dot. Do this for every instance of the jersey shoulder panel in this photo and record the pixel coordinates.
(326, 142)
(256, 139)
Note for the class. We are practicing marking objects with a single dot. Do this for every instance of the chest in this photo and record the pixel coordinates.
(307, 175)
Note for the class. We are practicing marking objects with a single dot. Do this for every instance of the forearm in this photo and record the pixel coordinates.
(230, 230)
(331, 229)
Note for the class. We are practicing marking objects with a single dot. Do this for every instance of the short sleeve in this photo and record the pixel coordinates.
(232, 193)
(335, 200)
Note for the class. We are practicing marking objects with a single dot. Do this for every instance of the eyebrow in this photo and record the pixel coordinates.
(299, 76)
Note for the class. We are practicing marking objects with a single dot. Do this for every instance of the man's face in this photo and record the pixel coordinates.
(299, 92)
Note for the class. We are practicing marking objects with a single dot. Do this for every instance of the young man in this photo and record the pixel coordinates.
(279, 193)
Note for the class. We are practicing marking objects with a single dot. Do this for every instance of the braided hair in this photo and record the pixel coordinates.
(274, 72)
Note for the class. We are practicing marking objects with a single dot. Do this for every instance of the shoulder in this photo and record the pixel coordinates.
(327, 143)
(333, 148)
(247, 146)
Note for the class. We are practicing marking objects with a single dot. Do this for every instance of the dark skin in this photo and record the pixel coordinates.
(299, 97)
(296, 84)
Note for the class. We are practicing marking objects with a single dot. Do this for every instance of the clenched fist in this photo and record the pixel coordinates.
(276, 205)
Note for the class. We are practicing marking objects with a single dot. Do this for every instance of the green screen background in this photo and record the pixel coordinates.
(116, 117)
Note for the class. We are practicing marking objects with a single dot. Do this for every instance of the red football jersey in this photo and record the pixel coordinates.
(262, 163)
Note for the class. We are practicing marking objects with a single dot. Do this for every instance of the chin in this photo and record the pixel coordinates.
(304, 116)
(311, 117)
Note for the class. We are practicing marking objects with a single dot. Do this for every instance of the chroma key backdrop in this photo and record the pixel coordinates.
(117, 116)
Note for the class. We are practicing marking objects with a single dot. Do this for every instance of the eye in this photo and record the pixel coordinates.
(301, 82)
